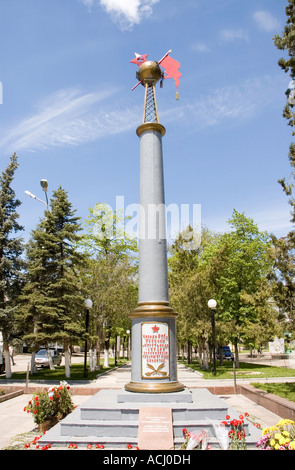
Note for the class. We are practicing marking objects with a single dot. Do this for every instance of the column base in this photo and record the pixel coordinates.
(164, 387)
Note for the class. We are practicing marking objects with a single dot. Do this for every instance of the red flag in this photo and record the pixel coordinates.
(171, 67)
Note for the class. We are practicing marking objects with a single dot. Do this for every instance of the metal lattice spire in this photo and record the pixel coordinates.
(150, 113)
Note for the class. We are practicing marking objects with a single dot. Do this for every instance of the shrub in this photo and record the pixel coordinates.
(54, 403)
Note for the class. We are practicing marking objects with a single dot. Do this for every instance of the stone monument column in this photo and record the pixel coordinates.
(154, 352)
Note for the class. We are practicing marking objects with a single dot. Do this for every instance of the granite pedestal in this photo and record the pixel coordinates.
(111, 418)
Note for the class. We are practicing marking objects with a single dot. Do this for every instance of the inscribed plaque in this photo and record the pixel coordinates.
(155, 362)
(155, 429)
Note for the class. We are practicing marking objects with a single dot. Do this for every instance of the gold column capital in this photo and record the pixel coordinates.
(150, 126)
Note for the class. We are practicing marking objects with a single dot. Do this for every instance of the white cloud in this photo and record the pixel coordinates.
(231, 35)
(67, 118)
(127, 13)
(266, 21)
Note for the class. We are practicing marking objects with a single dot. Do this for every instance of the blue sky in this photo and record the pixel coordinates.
(69, 113)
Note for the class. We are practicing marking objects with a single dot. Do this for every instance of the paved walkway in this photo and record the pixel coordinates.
(14, 421)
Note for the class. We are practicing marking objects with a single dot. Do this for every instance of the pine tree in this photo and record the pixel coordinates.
(52, 300)
(11, 264)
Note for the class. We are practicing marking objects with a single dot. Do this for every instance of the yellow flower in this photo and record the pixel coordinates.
(292, 445)
(277, 446)
(272, 442)
(282, 441)
(278, 436)
(286, 433)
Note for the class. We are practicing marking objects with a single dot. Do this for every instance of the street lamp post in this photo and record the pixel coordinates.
(128, 344)
(44, 185)
(88, 305)
(212, 305)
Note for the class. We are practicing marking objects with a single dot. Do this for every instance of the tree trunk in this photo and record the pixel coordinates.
(220, 354)
(33, 367)
(106, 352)
(92, 359)
(237, 354)
(6, 357)
(67, 360)
(51, 366)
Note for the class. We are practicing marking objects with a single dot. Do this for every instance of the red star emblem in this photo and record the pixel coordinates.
(155, 329)
(139, 59)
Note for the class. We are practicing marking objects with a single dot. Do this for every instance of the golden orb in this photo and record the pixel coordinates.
(149, 72)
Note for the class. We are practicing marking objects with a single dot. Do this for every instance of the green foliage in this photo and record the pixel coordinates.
(232, 268)
(110, 275)
(284, 248)
(52, 300)
(11, 263)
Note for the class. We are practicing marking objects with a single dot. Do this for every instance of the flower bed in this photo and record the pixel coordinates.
(48, 407)
(231, 435)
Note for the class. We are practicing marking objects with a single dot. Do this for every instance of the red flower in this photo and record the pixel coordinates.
(227, 417)
(36, 398)
(184, 431)
(129, 446)
(241, 417)
(35, 412)
(246, 414)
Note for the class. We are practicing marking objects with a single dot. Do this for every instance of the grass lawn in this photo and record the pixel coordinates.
(246, 370)
(283, 390)
(77, 372)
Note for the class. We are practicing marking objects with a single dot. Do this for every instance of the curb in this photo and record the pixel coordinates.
(278, 405)
(8, 396)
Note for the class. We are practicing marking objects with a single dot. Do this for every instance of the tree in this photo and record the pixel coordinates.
(11, 264)
(52, 300)
(284, 247)
(248, 263)
(191, 285)
(110, 276)
(287, 43)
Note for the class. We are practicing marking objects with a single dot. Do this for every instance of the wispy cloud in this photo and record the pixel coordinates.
(231, 35)
(226, 103)
(67, 118)
(266, 21)
(200, 47)
(70, 118)
(125, 13)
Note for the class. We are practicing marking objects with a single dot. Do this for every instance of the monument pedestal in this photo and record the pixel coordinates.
(110, 418)
(154, 355)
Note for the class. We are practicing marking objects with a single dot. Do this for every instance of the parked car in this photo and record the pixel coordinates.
(226, 353)
(41, 358)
